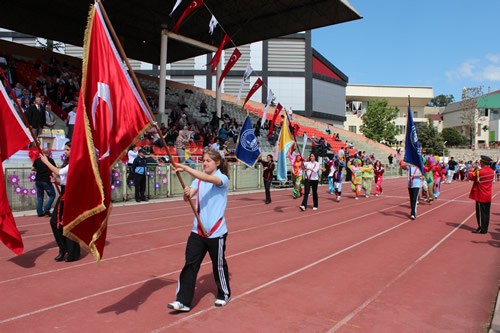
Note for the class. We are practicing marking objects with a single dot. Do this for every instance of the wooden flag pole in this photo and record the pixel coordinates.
(139, 89)
(27, 124)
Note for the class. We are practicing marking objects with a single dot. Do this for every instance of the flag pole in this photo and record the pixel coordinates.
(139, 89)
(27, 124)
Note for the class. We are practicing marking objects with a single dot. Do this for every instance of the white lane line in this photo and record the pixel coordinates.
(183, 243)
(348, 318)
(178, 271)
(295, 272)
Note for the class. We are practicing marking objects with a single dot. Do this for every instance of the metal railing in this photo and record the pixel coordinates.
(161, 182)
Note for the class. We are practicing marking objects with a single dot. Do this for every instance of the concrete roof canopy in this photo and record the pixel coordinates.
(138, 24)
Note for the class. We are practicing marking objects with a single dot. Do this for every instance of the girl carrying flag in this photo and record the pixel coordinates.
(210, 188)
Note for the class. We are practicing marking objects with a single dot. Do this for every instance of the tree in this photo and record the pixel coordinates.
(470, 114)
(442, 100)
(453, 137)
(378, 122)
(429, 139)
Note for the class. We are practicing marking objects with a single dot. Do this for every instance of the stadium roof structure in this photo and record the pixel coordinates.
(138, 24)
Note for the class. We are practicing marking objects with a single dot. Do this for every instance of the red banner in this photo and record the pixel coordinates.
(110, 117)
(215, 60)
(192, 7)
(275, 115)
(230, 63)
(13, 136)
(252, 91)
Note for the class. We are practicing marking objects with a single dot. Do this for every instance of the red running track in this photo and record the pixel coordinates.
(354, 266)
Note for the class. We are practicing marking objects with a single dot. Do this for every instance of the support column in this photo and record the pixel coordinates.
(218, 100)
(163, 68)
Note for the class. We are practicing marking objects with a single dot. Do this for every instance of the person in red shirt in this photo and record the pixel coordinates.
(481, 193)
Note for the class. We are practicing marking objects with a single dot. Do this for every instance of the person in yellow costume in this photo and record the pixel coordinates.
(357, 176)
(297, 163)
(367, 176)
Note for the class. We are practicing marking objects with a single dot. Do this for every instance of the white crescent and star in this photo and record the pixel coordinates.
(103, 92)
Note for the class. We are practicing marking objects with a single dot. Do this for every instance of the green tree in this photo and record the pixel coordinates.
(430, 140)
(441, 100)
(470, 115)
(453, 137)
(378, 122)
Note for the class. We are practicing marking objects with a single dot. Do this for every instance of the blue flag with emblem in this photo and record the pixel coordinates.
(413, 154)
(247, 149)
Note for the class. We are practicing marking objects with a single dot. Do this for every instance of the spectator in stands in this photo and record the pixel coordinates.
(181, 143)
(70, 121)
(18, 91)
(327, 130)
(43, 184)
(203, 106)
(224, 133)
(215, 146)
(36, 116)
(235, 132)
(50, 117)
(163, 129)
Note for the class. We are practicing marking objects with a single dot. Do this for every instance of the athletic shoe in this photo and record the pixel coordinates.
(412, 217)
(178, 306)
(356, 198)
(302, 208)
(315, 208)
(338, 199)
(376, 195)
(220, 302)
(367, 195)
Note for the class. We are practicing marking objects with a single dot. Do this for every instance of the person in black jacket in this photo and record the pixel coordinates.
(268, 176)
(43, 184)
(140, 168)
(36, 116)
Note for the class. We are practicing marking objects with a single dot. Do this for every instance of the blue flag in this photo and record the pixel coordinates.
(413, 155)
(247, 150)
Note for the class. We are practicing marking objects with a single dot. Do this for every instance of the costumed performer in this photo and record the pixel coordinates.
(367, 176)
(297, 163)
(338, 165)
(378, 169)
(357, 176)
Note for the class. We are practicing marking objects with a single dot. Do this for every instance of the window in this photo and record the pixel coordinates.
(415, 114)
(352, 128)
(401, 129)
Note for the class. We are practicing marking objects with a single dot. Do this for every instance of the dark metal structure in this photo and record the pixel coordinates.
(139, 23)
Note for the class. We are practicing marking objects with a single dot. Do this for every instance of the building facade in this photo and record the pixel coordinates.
(359, 96)
(299, 76)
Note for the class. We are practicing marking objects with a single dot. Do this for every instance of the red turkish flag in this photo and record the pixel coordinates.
(252, 91)
(192, 7)
(230, 63)
(13, 136)
(276, 113)
(215, 60)
(110, 117)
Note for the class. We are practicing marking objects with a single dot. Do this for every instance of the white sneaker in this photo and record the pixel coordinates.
(356, 198)
(302, 208)
(220, 302)
(178, 306)
(412, 217)
(338, 199)
(315, 208)
(376, 195)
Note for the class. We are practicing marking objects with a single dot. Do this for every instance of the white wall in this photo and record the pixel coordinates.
(328, 98)
(289, 91)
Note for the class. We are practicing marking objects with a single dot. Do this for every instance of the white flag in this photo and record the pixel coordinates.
(212, 24)
(175, 7)
(270, 98)
(304, 144)
(247, 74)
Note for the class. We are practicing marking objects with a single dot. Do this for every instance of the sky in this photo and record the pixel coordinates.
(444, 44)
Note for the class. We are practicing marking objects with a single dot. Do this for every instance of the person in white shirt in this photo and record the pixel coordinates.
(65, 244)
(71, 121)
(311, 181)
